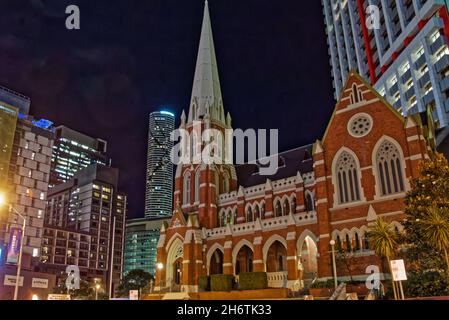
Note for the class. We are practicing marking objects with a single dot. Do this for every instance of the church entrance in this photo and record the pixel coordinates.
(216, 263)
(244, 261)
(177, 272)
(277, 258)
(308, 254)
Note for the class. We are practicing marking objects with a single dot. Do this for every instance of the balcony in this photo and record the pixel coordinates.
(277, 279)
(406, 76)
(424, 79)
(441, 64)
(444, 84)
(437, 44)
(420, 61)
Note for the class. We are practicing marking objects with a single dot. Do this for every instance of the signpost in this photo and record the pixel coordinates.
(399, 274)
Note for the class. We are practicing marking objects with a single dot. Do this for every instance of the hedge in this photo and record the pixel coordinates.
(204, 283)
(253, 281)
(221, 282)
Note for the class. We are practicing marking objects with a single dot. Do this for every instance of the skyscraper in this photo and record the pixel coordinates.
(84, 226)
(159, 183)
(404, 53)
(141, 239)
(74, 151)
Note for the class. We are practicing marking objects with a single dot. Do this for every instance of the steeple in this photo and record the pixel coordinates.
(206, 93)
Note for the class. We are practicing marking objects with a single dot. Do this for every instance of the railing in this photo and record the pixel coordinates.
(277, 279)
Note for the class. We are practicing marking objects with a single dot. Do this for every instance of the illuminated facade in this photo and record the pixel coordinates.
(159, 182)
(74, 151)
(406, 59)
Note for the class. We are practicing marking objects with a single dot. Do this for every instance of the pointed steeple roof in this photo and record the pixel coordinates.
(206, 93)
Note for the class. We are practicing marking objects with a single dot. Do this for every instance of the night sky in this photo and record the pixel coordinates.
(132, 57)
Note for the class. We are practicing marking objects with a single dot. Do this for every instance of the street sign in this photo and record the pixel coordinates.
(133, 294)
(398, 270)
(39, 283)
(58, 297)
(11, 281)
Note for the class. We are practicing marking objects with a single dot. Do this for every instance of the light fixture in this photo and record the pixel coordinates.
(2, 199)
(160, 266)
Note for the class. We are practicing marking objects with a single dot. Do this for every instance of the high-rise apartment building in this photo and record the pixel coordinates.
(141, 239)
(74, 151)
(399, 46)
(85, 225)
(159, 183)
(26, 147)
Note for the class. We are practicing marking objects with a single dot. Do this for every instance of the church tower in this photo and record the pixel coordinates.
(199, 183)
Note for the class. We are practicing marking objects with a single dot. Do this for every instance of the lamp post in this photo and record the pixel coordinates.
(97, 287)
(19, 263)
(334, 265)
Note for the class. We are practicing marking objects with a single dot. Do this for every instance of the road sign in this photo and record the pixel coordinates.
(398, 270)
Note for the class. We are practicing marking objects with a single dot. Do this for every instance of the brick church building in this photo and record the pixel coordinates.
(230, 219)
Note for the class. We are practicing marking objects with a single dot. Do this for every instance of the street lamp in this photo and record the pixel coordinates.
(332, 243)
(97, 287)
(19, 264)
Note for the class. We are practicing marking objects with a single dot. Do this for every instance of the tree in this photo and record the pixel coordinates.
(85, 292)
(435, 227)
(135, 280)
(384, 241)
(430, 190)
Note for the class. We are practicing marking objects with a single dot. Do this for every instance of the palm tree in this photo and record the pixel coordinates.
(384, 241)
(435, 227)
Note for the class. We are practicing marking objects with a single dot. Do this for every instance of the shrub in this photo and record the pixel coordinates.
(329, 284)
(204, 283)
(253, 281)
(221, 282)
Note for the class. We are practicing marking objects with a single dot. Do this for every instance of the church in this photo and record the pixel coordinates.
(230, 219)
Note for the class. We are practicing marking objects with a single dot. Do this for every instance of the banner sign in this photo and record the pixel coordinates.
(11, 281)
(15, 237)
(39, 283)
(59, 297)
(398, 270)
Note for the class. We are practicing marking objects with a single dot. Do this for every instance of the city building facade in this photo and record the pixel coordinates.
(85, 225)
(141, 239)
(74, 151)
(159, 181)
(232, 219)
(403, 53)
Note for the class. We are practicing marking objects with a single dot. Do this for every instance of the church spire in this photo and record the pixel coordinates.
(206, 92)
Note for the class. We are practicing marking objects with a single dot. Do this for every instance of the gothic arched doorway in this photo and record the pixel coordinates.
(244, 261)
(308, 253)
(216, 263)
(277, 258)
(177, 272)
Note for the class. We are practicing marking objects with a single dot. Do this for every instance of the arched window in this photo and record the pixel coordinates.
(236, 214)
(217, 183)
(225, 183)
(366, 242)
(338, 244)
(348, 243)
(262, 211)
(357, 242)
(219, 145)
(293, 205)
(347, 173)
(186, 188)
(230, 218)
(249, 214)
(195, 144)
(286, 208)
(278, 209)
(310, 202)
(389, 169)
(221, 219)
(197, 185)
(256, 212)
(356, 95)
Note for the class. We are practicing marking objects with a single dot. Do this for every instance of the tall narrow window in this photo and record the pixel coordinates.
(197, 185)
(286, 208)
(310, 202)
(278, 209)
(356, 95)
(187, 191)
(347, 174)
(225, 183)
(293, 205)
(256, 212)
(389, 169)
(249, 214)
